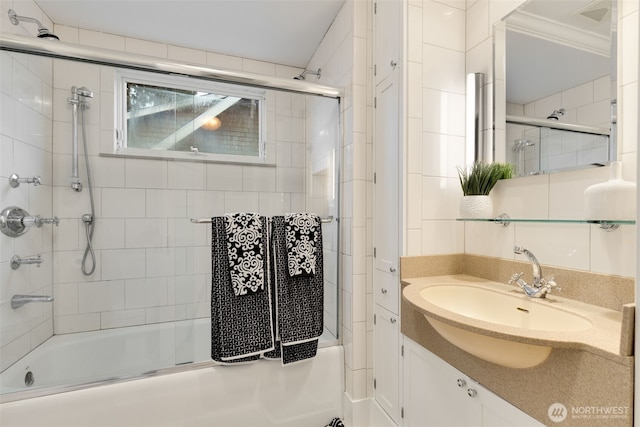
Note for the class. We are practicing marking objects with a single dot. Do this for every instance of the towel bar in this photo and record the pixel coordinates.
(208, 220)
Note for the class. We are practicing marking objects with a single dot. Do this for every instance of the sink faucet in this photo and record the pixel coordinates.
(540, 286)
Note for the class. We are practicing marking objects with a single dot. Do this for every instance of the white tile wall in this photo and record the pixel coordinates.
(26, 149)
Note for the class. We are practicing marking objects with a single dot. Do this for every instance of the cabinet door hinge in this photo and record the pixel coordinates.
(374, 321)
(375, 102)
(375, 177)
(375, 69)
(402, 350)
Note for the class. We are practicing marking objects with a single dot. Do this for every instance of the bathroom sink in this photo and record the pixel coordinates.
(498, 323)
(498, 307)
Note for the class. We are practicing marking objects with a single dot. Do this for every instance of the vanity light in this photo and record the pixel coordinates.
(476, 150)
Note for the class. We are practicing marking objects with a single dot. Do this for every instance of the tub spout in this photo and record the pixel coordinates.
(18, 301)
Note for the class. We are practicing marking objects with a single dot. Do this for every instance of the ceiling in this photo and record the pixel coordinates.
(286, 32)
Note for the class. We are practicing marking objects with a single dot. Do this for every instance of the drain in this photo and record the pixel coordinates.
(29, 379)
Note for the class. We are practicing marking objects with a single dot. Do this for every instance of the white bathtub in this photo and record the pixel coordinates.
(261, 394)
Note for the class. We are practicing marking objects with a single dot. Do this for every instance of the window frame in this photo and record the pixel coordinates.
(120, 148)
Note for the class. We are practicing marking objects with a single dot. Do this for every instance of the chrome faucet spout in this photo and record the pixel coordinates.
(540, 286)
(537, 270)
(18, 301)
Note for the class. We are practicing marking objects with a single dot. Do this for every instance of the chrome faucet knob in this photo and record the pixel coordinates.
(15, 180)
(515, 277)
(551, 284)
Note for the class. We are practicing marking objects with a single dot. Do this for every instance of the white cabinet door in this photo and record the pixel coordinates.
(386, 215)
(437, 394)
(497, 412)
(386, 361)
(387, 37)
(432, 393)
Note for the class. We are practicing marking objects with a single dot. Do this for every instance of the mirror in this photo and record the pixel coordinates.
(555, 85)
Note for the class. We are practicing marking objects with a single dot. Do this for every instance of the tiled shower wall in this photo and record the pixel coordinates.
(153, 264)
(26, 149)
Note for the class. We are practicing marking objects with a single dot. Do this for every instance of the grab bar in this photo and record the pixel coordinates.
(324, 220)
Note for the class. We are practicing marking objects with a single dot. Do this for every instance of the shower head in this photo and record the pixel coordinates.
(43, 32)
(556, 114)
(82, 91)
(305, 72)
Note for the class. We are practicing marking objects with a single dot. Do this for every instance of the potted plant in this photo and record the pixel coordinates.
(477, 182)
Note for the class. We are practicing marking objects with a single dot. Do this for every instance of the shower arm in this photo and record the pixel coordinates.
(16, 19)
(43, 32)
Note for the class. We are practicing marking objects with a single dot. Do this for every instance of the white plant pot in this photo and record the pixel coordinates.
(476, 207)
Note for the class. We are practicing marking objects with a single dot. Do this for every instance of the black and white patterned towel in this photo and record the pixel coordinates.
(241, 328)
(244, 232)
(336, 422)
(302, 233)
(299, 300)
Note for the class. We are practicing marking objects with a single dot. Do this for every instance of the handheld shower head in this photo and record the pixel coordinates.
(43, 32)
(83, 91)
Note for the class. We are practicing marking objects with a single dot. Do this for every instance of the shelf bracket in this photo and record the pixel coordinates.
(503, 220)
(607, 226)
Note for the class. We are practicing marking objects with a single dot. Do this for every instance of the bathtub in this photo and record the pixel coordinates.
(193, 394)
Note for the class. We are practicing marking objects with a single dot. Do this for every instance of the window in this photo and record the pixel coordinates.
(179, 117)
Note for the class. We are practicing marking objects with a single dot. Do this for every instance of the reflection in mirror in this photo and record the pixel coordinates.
(555, 88)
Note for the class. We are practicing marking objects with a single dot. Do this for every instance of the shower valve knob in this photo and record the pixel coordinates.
(15, 180)
(15, 221)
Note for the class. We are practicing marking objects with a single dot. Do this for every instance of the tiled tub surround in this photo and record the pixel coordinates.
(153, 264)
(575, 377)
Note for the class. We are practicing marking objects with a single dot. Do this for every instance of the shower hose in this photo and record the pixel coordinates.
(88, 219)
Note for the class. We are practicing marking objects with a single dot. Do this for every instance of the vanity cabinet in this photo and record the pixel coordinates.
(386, 361)
(387, 37)
(437, 394)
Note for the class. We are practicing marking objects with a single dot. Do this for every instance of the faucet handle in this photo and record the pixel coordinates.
(515, 277)
(550, 284)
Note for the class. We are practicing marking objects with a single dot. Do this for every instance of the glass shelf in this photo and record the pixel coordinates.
(505, 220)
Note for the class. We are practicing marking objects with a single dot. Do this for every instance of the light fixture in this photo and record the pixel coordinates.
(213, 123)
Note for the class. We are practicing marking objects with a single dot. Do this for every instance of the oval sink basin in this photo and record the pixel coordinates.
(498, 307)
(497, 325)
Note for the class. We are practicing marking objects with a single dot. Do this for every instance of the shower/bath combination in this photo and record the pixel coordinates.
(43, 32)
(78, 102)
(305, 72)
